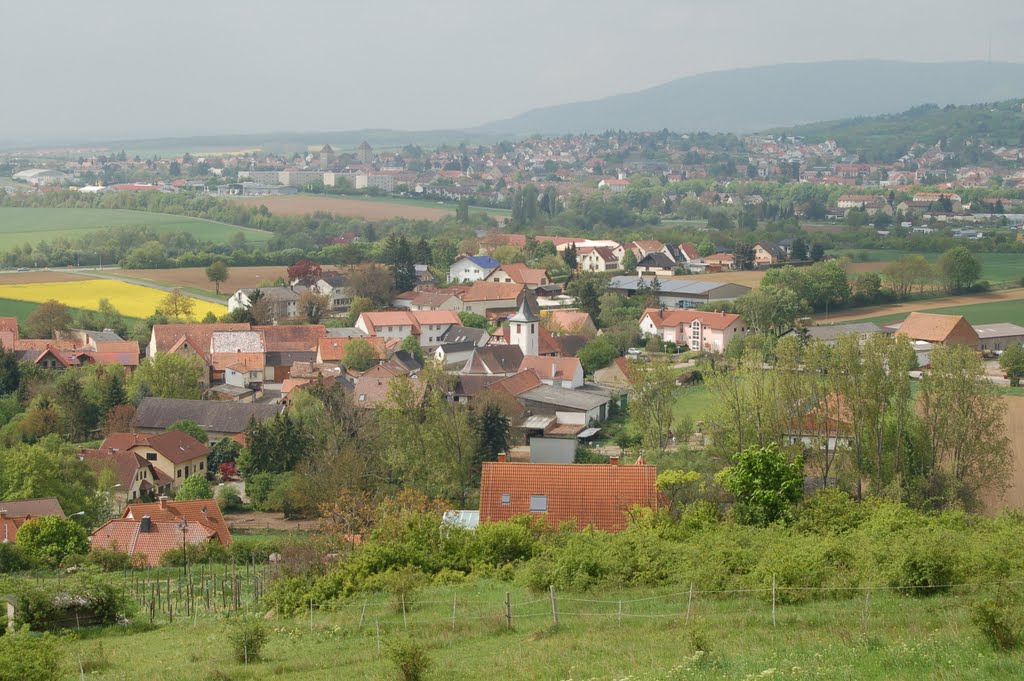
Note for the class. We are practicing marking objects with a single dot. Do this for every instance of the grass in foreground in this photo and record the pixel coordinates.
(883, 636)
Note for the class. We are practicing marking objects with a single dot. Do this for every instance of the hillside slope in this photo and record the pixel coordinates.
(747, 100)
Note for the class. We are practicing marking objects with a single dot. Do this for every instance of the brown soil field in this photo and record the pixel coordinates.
(39, 277)
(918, 305)
(1014, 497)
(369, 210)
(195, 277)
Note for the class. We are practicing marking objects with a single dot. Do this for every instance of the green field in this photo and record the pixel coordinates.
(691, 403)
(1010, 311)
(32, 225)
(634, 634)
(22, 309)
(995, 267)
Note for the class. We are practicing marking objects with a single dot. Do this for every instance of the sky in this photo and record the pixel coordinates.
(119, 69)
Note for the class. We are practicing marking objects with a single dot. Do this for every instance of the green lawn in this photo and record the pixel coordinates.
(1010, 311)
(22, 309)
(645, 637)
(32, 225)
(995, 267)
(691, 403)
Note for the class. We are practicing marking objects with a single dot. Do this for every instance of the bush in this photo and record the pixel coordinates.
(229, 500)
(403, 584)
(925, 567)
(48, 605)
(830, 511)
(247, 637)
(501, 543)
(410, 659)
(26, 657)
(999, 619)
(50, 539)
(109, 561)
(208, 552)
(14, 559)
(195, 487)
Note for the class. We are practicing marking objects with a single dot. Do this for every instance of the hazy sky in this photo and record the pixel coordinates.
(116, 69)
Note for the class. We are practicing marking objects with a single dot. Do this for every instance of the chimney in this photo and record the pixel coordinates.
(146, 524)
(613, 459)
(501, 457)
(163, 502)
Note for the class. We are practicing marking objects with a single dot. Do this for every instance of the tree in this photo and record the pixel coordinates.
(305, 273)
(473, 320)
(194, 487)
(313, 306)
(653, 389)
(80, 413)
(817, 252)
(217, 273)
(743, 256)
(493, 432)
(50, 539)
(964, 422)
(274, 446)
(359, 355)
(569, 256)
(48, 320)
(799, 250)
(374, 283)
(597, 354)
(176, 306)
(705, 247)
(190, 427)
(412, 345)
(1012, 362)
(868, 286)
(765, 483)
(398, 255)
(109, 317)
(771, 310)
(10, 372)
(167, 375)
(587, 290)
(462, 212)
(628, 263)
(959, 269)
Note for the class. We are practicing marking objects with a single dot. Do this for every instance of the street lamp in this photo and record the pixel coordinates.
(183, 526)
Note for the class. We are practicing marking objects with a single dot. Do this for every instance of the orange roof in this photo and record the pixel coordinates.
(9, 324)
(553, 368)
(490, 290)
(242, 362)
(411, 318)
(598, 495)
(333, 349)
(176, 445)
(373, 385)
(8, 340)
(720, 258)
(291, 337)
(124, 464)
(935, 328)
(648, 245)
(204, 512)
(168, 335)
(521, 274)
(126, 535)
(518, 384)
(664, 318)
(689, 250)
(570, 320)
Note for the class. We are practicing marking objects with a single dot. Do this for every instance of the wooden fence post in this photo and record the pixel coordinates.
(455, 600)
(773, 599)
(508, 609)
(554, 604)
(689, 603)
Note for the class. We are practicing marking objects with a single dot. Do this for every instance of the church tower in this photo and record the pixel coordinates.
(524, 329)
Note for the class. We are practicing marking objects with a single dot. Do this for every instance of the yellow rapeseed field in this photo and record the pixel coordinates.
(131, 300)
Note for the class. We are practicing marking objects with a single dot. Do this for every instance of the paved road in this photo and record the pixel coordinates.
(127, 278)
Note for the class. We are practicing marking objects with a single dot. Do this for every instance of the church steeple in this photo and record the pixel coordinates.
(523, 329)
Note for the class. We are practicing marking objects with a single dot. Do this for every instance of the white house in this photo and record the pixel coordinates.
(472, 268)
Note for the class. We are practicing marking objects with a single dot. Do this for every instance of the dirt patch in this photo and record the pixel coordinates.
(256, 521)
(920, 305)
(1014, 497)
(361, 208)
(195, 277)
(39, 277)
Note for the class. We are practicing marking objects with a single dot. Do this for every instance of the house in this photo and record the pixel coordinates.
(656, 264)
(15, 513)
(174, 453)
(768, 253)
(470, 268)
(615, 374)
(941, 329)
(219, 419)
(136, 478)
(283, 300)
(998, 337)
(494, 360)
(150, 530)
(596, 259)
(831, 333)
(427, 326)
(583, 406)
(641, 248)
(455, 354)
(570, 322)
(485, 296)
(462, 334)
(287, 344)
(616, 186)
(826, 426)
(587, 495)
(373, 386)
(701, 331)
(688, 253)
(429, 300)
(680, 293)
(188, 339)
(238, 358)
(563, 372)
(332, 350)
(518, 273)
(334, 285)
(723, 261)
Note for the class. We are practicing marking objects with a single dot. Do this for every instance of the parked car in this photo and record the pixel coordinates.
(634, 352)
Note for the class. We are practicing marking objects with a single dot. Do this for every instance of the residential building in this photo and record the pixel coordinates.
(470, 268)
(427, 326)
(494, 360)
(283, 300)
(588, 495)
(562, 372)
(332, 350)
(484, 297)
(596, 259)
(702, 331)
(570, 322)
(174, 454)
(15, 513)
(219, 419)
(148, 531)
(768, 253)
(518, 273)
(136, 478)
(656, 264)
(615, 374)
(238, 358)
(998, 337)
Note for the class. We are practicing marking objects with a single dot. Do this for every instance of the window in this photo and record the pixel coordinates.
(538, 503)
(202, 464)
(150, 456)
(179, 472)
(506, 499)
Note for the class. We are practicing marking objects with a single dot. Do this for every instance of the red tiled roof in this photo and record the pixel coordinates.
(552, 368)
(689, 250)
(203, 512)
(9, 324)
(570, 321)
(936, 328)
(126, 535)
(291, 337)
(372, 386)
(178, 446)
(32, 507)
(124, 464)
(412, 318)
(168, 335)
(669, 318)
(239, 361)
(518, 384)
(333, 349)
(598, 495)
(491, 290)
(521, 274)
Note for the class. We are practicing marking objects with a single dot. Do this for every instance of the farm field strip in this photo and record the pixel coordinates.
(132, 300)
(984, 308)
(367, 208)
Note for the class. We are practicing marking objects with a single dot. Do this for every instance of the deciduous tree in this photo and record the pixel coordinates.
(176, 306)
(167, 375)
(48, 320)
(217, 273)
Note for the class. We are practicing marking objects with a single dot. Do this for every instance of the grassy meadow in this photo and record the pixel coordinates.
(19, 226)
(1010, 311)
(876, 635)
(995, 267)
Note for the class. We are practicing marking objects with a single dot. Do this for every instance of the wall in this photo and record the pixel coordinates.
(552, 450)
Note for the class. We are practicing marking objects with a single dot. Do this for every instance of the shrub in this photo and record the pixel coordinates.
(50, 605)
(925, 567)
(25, 657)
(14, 559)
(195, 487)
(208, 552)
(500, 543)
(999, 619)
(229, 500)
(109, 561)
(410, 659)
(50, 539)
(403, 584)
(830, 511)
(247, 637)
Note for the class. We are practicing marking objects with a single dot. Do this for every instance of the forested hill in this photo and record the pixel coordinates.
(751, 99)
(960, 129)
